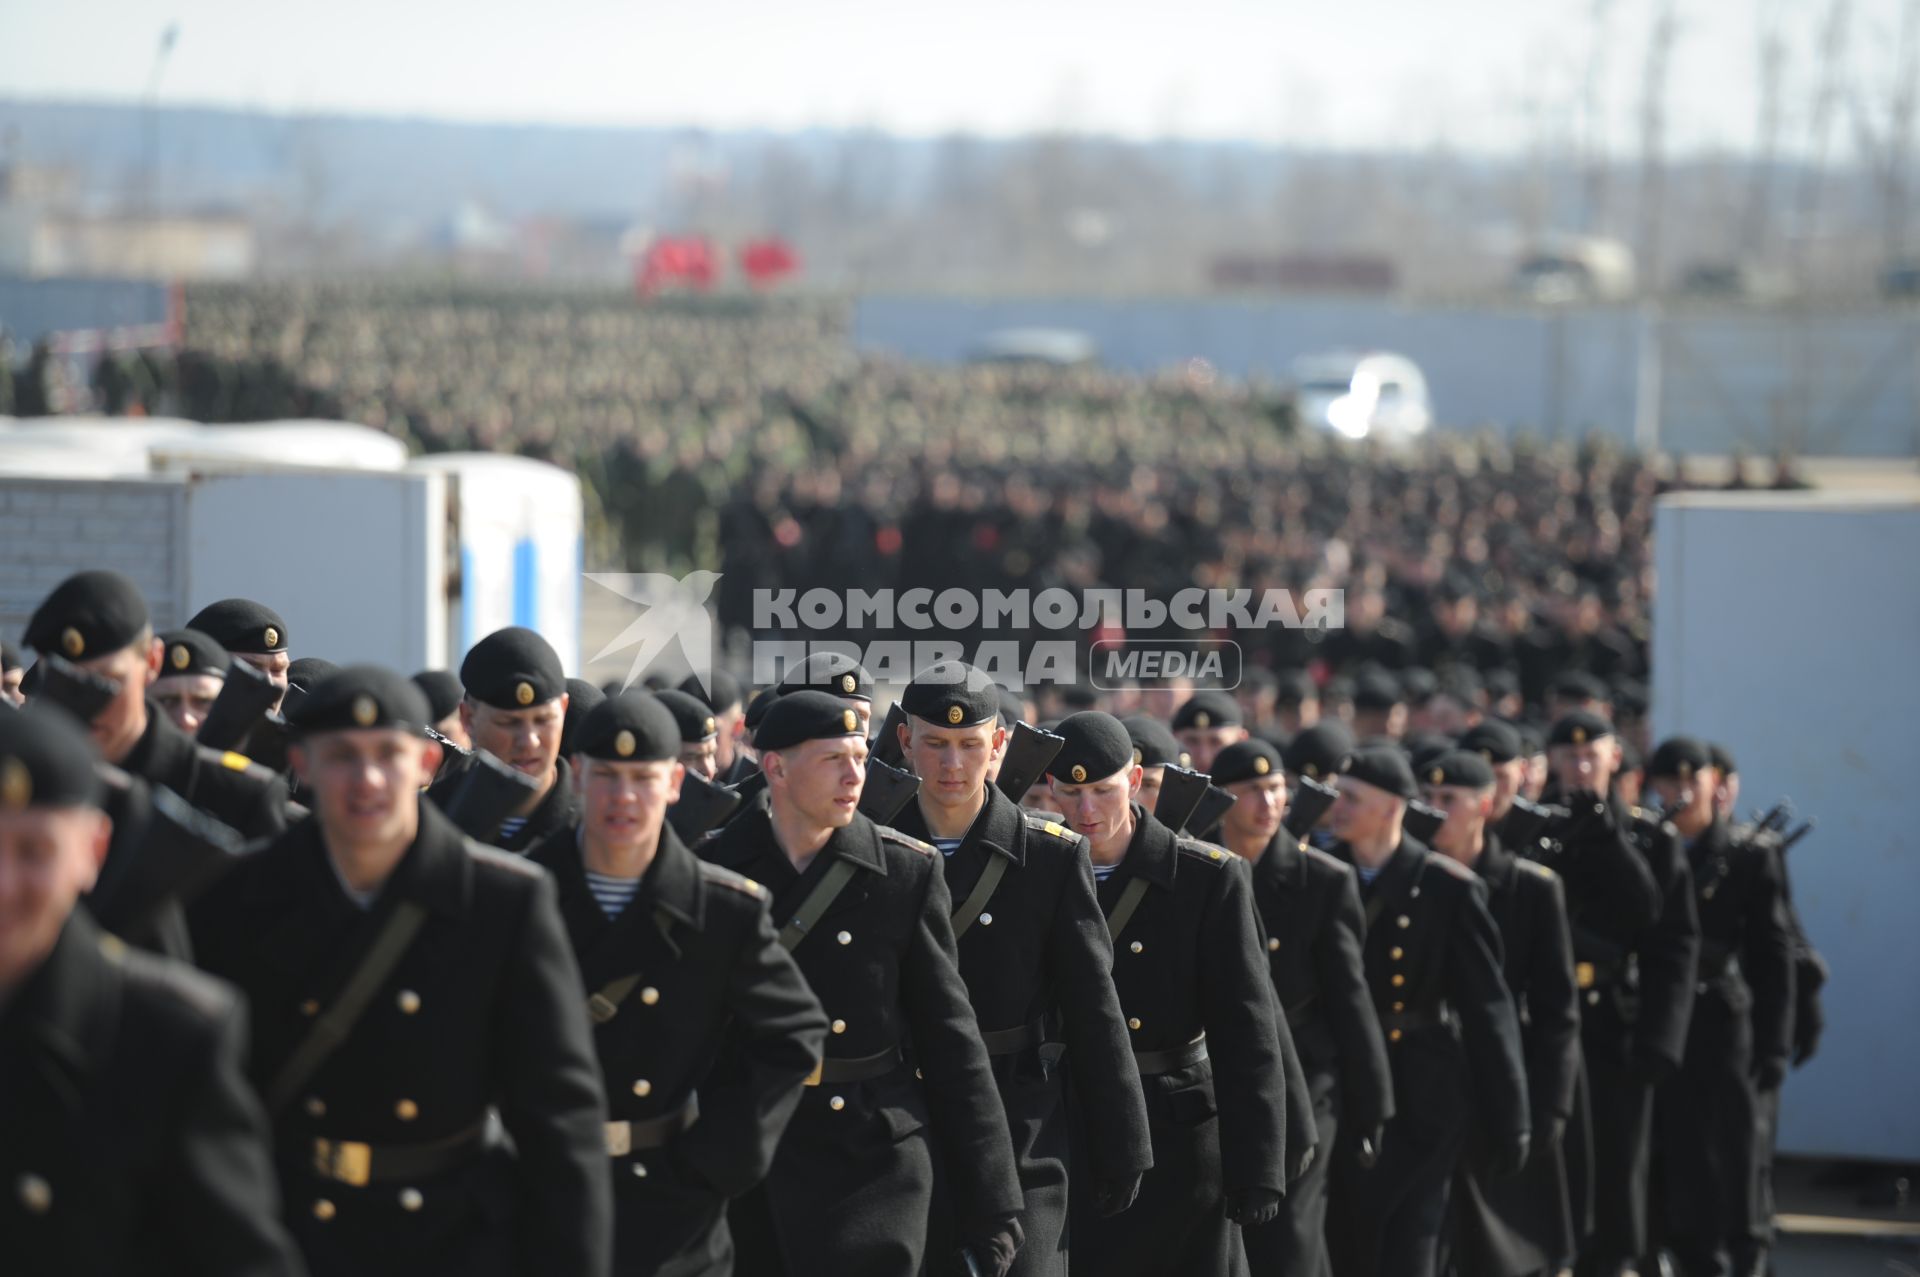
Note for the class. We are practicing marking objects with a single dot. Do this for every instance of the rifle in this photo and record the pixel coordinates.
(245, 698)
(702, 805)
(489, 793)
(82, 693)
(1788, 840)
(886, 746)
(1208, 812)
(888, 789)
(1180, 794)
(1028, 753)
(1311, 799)
(1528, 820)
(1423, 821)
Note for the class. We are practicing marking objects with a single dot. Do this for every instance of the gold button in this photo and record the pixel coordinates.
(642, 1087)
(408, 1001)
(649, 995)
(1399, 1006)
(1403, 921)
(411, 1200)
(845, 937)
(1137, 947)
(839, 1026)
(323, 1210)
(836, 1103)
(1134, 1023)
(35, 1194)
(1398, 979)
(751, 886)
(406, 1110)
(639, 1170)
(1593, 997)
(309, 1007)
(1394, 1036)
(316, 1107)
(1273, 944)
(986, 920)
(1396, 953)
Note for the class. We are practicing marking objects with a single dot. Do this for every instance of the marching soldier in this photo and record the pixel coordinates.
(406, 984)
(836, 674)
(1635, 972)
(1154, 749)
(866, 913)
(1321, 753)
(1521, 1224)
(679, 958)
(699, 731)
(191, 675)
(1740, 1036)
(252, 632)
(1190, 969)
(515, 708)
(1433, 966)
(1309, 907)
(1206, 724)
(99, 1041)
(1035, 955)
(721, 695)
(444, 694)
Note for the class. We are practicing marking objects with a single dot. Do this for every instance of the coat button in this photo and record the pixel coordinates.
(406, 1110)
(323, 1210)
(316, 1107)
(837, 1103)
(1273, 944)
(845, 937)
(642, 1087)
(408, 1001)
(639, 1170)
(1398, 979)
(1137, 947)
(1134, 1023)
(310, 1007)
(1593, 997)
(1394, 1036)
(986, 920)
(1396, 953)
(649, 995)
(411, 1200)
(35, 1194)
(1403, 922)
(839, 1026)
(1399, 1006)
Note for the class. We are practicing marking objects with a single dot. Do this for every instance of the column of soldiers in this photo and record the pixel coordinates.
(501, 974)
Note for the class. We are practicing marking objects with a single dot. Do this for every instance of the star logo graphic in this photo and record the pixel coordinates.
(673, 612)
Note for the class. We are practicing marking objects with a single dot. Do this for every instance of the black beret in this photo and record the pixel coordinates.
(691, 715)
(512, 669)
(360, 696)
(1461, 682)
(1013, 706)
(242, 625)
(1679, 757)
(1275, 735)
(1321, 751)
(1578, 727)
(442, 690)
(1386, 768)
(1576, 685)
(952, 694)
(1153, 744)
(1493, 740)
(46, 760)
(1458, 767)
(311, 671)
(1246, 760)
(1722, 758)
(1630, 698)
(191, 652)
(805, 714)
(1418, 684)
(1205, 710)
(757, 708)
(1075, 697)
(834, 672)
(582, 696)
(1296, 688)
(1376, 690)
(721, 693)
(89, 614)
(1501, 682)
(1097, 747)
(1423, 747)
(1631, 759)
(633, 727)
(1532, 740)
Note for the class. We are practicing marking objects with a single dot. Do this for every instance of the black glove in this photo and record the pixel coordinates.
(1252, 1207)
(1112, 1196)
(1366, 1151)
(992, 1255)
(1768, 1074)
(1509, 1156)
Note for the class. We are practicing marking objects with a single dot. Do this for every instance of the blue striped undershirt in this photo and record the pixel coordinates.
(612, 894)
(511, 826)
(1103, 872)
(947, 846)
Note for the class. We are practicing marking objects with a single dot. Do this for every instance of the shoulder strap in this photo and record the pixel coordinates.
(331, 1029)
(982, 892)
(604, 1003)
(1123, 908)
(838, 874)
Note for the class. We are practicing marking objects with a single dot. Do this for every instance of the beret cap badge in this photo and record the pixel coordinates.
(365, 711)
(624, 744)
(848, 717)
(181, 657)
(271, 637)
(1203, 719)
(16, 785)
(1438, 775)
(706, 725)
(1579, 735)
(72, 643)
(1261, 766)
(524, 693)
(955, 714)
(848, 683)
(1079, 774)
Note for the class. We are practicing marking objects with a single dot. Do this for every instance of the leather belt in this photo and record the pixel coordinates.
(1011, 1041)
(858, 1069)
(626, 1137)
(351, 1162)
(1154, 1063)
(1397, 1023)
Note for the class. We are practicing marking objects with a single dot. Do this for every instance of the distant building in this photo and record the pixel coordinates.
(41, 244)
(1304, 273)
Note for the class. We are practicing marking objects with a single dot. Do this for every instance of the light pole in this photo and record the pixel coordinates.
(151, 145)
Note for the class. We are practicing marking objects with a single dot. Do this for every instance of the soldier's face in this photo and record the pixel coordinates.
(186, 698)
(1588, 765)
(1507, 779)
(1150, 781)
(818, 780)
(1467, 810)
(702, 757)
(622, 804)
(1295, 719)
(365, 783)
(1362, 813)
(1203, 743)
(1100, 810)
(118, 727)
(48, 857)
(274, 665)
(1687, 803)
(455, 730)
(951, 762)
(527, 740)
(727, 724)
(1256, 813)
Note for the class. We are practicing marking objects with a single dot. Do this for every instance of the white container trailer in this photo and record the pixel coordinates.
(1787, 626)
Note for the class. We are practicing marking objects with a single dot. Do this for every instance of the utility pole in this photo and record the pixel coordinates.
(1593, 143)
(149, 229)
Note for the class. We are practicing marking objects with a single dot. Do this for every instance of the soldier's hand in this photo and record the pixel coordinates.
(1367, 1151)
(1115, 1195)
(1510, 1156)
(1252, 1207)
(1769, 1074)
(992, 1255)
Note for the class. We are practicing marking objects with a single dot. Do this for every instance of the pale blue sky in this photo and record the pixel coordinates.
(1335, 72)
